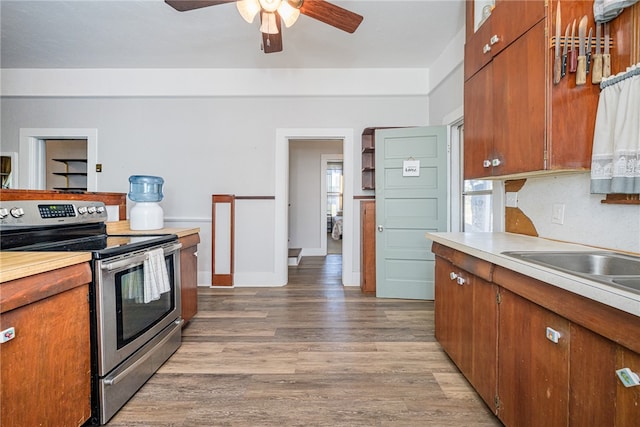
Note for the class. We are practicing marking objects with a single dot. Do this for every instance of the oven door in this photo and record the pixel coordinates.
(127, 314)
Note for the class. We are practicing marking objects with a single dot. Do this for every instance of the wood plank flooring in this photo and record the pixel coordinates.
(312, 353)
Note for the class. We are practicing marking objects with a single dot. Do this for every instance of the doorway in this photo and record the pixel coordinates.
(283, 138)
(312, 196)
(33, 157)
(334, 183)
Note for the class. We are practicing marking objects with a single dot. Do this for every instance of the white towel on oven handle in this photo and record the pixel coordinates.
(156, 278)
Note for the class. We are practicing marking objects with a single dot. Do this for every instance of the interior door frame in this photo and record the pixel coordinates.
(283, 135)
(33, 159)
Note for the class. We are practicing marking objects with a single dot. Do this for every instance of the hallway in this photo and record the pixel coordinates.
(312, 353)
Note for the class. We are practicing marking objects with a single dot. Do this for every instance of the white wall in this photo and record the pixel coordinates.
(305, 203)
(586, 220)
(208, 145)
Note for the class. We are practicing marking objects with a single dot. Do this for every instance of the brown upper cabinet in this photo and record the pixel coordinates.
(517, 122)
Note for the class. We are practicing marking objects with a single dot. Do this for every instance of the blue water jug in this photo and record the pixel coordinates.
(144, 188)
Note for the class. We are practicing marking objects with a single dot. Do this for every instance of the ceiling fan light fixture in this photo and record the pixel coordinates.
(270, 5)
(288, 13)
(269, 25)
(248, 9)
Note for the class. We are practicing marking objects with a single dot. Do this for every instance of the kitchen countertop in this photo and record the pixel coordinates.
(489, 247)
(16, 265)
(122, 227)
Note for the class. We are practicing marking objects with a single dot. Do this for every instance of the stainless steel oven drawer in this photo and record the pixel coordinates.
(123, 382)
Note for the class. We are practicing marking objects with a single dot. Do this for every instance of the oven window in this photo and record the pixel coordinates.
(134, 315)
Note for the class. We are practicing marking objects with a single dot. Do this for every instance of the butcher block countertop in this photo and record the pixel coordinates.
(489, 247)
(122, 227)
(16, 265)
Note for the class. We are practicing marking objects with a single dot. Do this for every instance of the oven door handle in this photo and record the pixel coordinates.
(136, 260)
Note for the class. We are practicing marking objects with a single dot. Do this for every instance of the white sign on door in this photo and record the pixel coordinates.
(411, 168)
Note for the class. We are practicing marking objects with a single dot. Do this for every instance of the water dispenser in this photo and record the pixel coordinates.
(146, 192)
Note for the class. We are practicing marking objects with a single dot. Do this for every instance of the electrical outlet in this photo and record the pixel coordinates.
(557, 214)
(511, 199)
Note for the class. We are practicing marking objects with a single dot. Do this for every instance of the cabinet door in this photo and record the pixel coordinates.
(466, 318)
(189, 276)
(592, 382)
(627, 399)
(46, 369)
(505, 29)
(498, 31)
(519, 104)
(453, 315)
(484, 368)
(533, 372)
(479, 123)
(477, 51)
(368, 246)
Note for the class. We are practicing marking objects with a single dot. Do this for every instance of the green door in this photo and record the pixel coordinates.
(411, 199)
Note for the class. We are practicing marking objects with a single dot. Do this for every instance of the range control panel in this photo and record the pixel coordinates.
(36, 213)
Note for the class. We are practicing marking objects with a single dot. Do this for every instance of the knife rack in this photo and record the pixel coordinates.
(576, 40)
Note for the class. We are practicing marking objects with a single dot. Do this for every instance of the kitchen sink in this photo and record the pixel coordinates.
(612, 268)
(630, 283)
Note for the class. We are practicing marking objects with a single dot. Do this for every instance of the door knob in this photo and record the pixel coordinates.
(380, 228)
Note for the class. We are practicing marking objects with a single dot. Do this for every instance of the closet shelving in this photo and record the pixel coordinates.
(75, 174)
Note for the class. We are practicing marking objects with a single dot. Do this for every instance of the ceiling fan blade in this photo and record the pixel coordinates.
(331, 14)
(185, 5)
(272, 43)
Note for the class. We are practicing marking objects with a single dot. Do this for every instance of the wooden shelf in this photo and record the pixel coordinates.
(70, 160)
(72, 177)
(368, 159)
(83, 189)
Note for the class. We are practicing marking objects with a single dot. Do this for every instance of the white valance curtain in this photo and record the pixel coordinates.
(615, 161)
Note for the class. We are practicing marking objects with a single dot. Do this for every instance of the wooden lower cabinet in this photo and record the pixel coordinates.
(189, 276)
(533, 372)
(503, 349)
(594, 360)
(46, 369)
(466, 317)
(368, 246)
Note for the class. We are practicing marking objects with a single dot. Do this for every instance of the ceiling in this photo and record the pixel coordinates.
(151, 34)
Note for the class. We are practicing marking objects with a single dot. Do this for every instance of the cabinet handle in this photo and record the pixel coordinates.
(380, 228)
(494, 39)
(486, 48)
(461, 281)
(552, 335)
(496, 162)
(628, 377)
(453, 276)
(8, 334)
(486, 163)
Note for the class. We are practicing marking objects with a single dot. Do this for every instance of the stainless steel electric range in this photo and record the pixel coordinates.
(135, 305)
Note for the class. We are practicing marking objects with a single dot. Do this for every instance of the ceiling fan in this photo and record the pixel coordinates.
(274, 12)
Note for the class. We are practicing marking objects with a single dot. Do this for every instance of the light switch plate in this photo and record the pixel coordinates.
(511, 199)
(557, 215)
